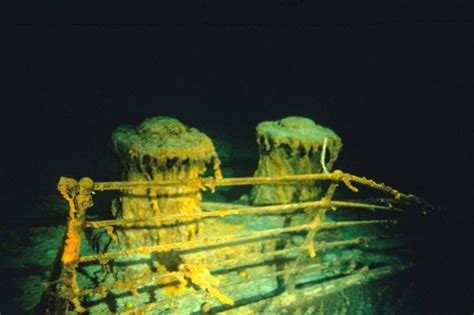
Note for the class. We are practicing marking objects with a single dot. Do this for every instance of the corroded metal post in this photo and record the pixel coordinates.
(79, 198)
(160, 149)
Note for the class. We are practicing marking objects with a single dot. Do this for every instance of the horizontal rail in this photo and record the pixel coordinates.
(235, 262)
(216, 182)
(223, 239)
(220, 213)
(158, 221)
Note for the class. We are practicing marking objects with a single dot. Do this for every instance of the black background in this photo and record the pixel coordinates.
(395, 81)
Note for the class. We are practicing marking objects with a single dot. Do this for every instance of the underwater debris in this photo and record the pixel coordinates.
(200, 276)
(291, 146)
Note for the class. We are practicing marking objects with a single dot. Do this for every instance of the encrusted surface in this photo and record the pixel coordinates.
(159, 149)
(163, 138)
(295, 131)
(292, 146)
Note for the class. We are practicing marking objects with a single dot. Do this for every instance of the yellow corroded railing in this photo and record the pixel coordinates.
(63, 291)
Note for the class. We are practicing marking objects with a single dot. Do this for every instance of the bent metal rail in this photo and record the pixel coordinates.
(63, 290)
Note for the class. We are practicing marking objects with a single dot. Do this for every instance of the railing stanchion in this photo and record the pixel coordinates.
(308, 244)
(79, 197)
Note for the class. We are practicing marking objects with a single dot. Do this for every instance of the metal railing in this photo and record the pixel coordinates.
(63, 290)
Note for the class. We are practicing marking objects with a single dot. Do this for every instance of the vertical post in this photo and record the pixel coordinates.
(308, 244)
(79, 197)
